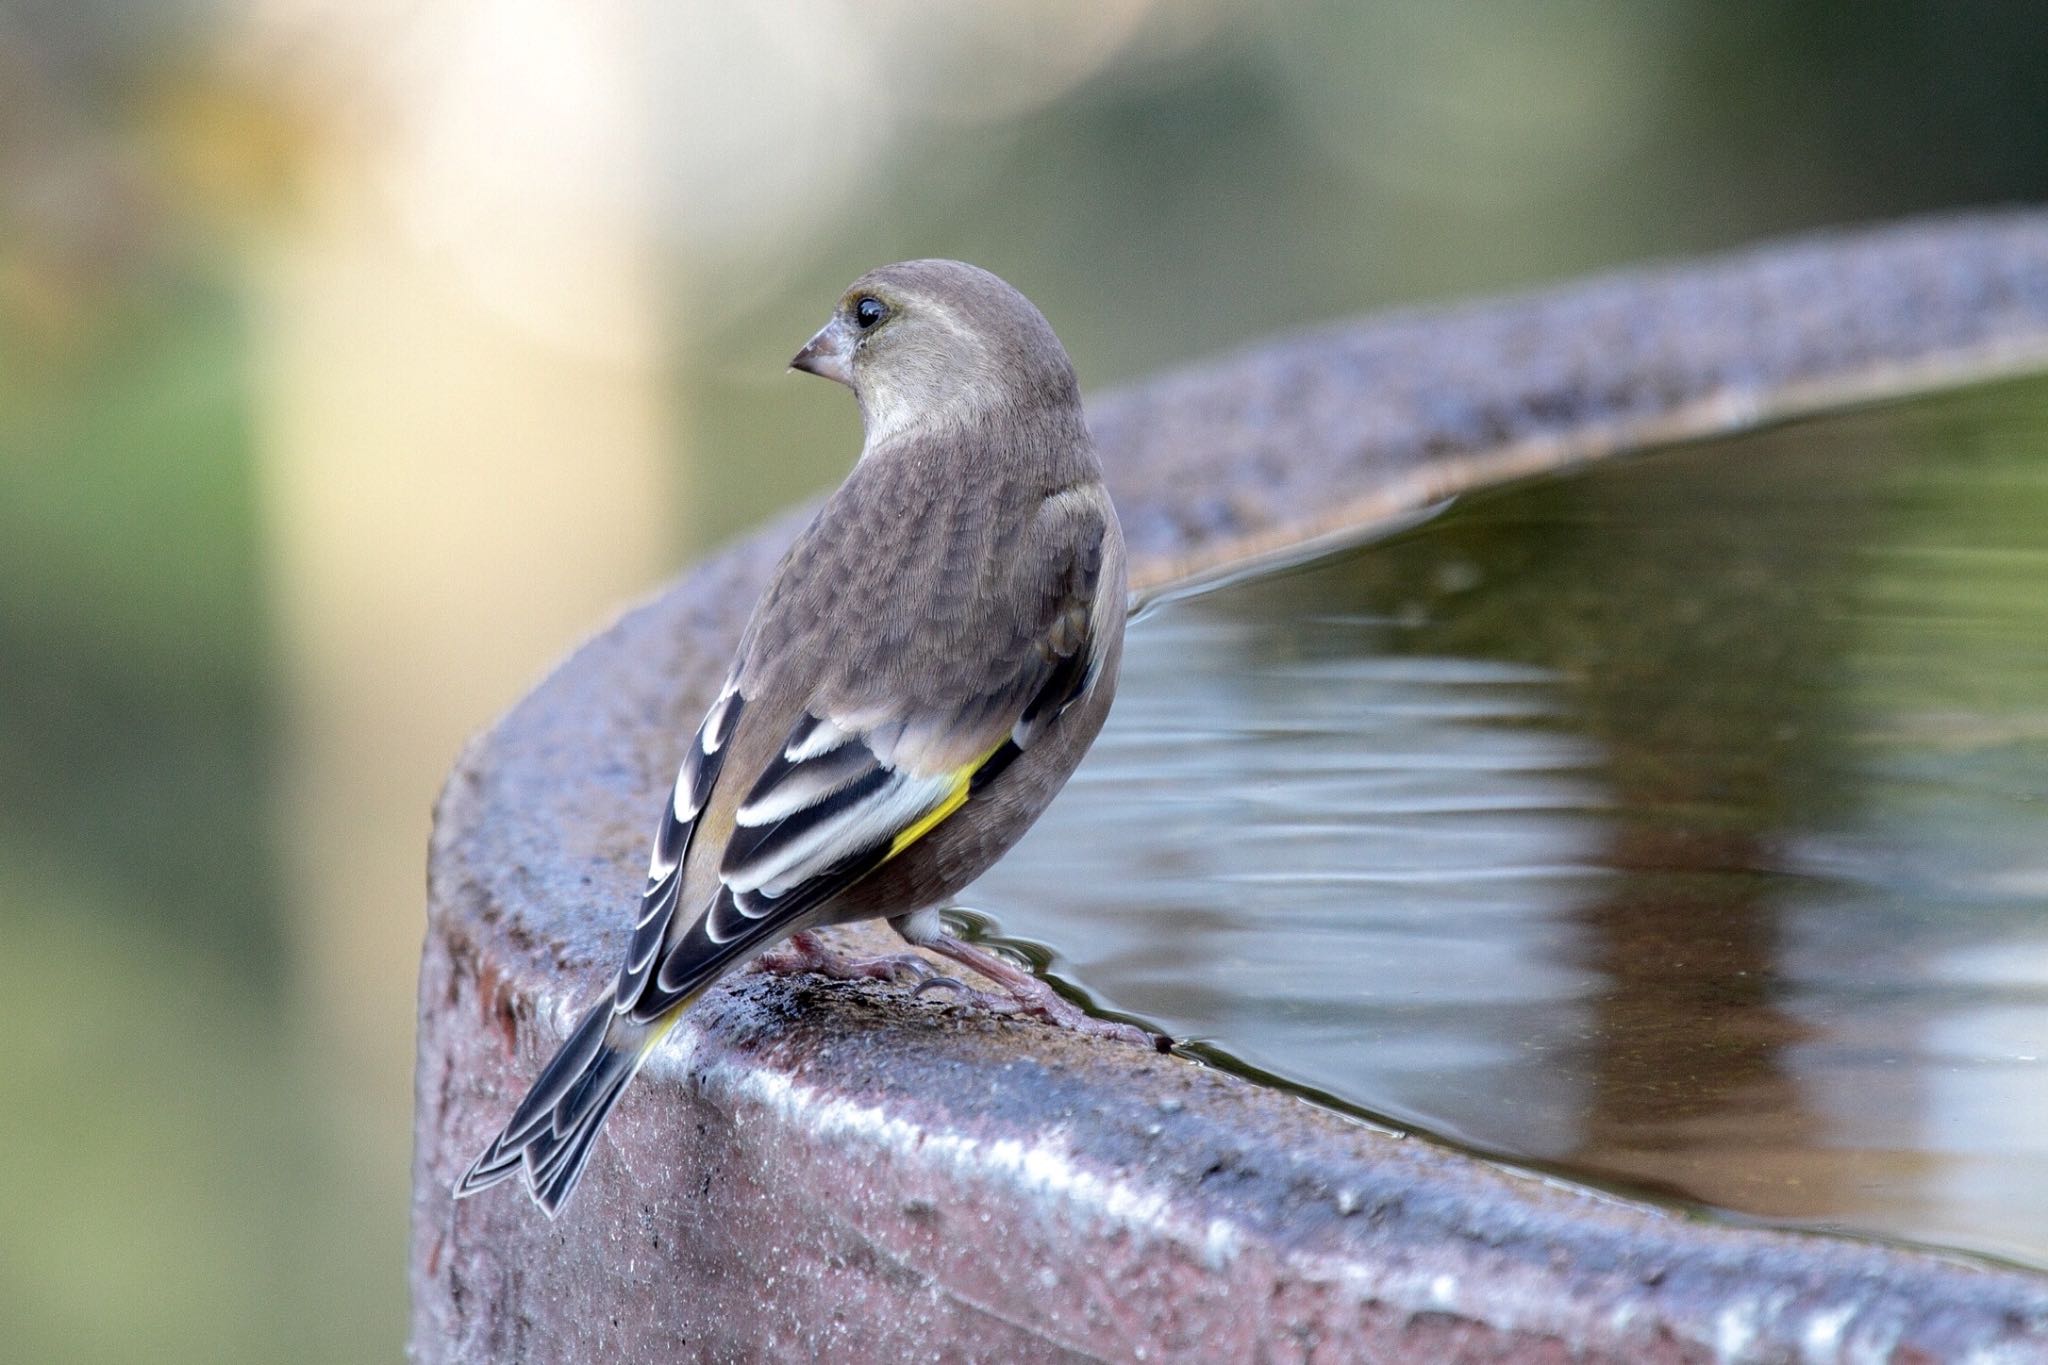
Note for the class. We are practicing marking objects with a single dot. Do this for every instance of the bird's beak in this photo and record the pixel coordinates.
(829, 353)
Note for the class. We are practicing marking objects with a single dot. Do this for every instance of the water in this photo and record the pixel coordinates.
(1681, 824)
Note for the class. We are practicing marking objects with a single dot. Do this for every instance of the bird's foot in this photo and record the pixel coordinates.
(1027, 994)
(805, 952)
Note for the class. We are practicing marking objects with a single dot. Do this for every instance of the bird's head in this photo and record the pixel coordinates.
(927, 344)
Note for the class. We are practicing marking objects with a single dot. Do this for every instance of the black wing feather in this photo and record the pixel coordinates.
(694, 780)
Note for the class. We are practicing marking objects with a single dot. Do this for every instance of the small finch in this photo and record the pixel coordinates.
(919, 679)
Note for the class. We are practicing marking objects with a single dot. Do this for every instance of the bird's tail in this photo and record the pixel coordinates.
(550, 1134)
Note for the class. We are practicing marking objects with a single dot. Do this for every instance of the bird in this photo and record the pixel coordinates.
(925, 668)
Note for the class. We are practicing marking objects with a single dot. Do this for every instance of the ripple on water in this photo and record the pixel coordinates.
(1682, 823)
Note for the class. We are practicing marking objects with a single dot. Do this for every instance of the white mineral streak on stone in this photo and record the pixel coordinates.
(1822, 1341)
(1219, 1244)
(1743, 1322)
(1511, 1303)
(1044, 1168)
(1877, 1345)
(1735, 1328)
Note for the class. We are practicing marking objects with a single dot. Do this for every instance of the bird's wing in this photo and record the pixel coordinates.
(863, 773)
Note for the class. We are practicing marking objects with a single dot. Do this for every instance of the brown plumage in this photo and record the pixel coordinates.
(920, 677)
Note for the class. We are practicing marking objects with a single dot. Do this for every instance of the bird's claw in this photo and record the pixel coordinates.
(804, 953)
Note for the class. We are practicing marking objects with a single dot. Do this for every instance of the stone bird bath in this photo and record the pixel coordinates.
(811, 1170)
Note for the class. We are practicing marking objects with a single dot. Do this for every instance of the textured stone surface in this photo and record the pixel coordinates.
(812, 1170)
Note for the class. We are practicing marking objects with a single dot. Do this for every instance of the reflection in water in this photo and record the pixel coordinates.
(1680, 823)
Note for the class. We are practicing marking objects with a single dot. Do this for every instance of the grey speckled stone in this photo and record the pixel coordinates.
(818, 1171)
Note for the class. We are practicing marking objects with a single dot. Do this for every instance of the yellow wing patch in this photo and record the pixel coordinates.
(955, 798)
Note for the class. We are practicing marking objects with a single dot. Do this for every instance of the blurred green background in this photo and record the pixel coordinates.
(355, 359)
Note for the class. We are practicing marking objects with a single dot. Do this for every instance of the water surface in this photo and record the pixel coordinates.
(1681, 823)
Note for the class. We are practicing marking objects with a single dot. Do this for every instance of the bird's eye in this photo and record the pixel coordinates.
(868, 312)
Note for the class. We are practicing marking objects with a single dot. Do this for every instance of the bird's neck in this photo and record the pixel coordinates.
(977, 414)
